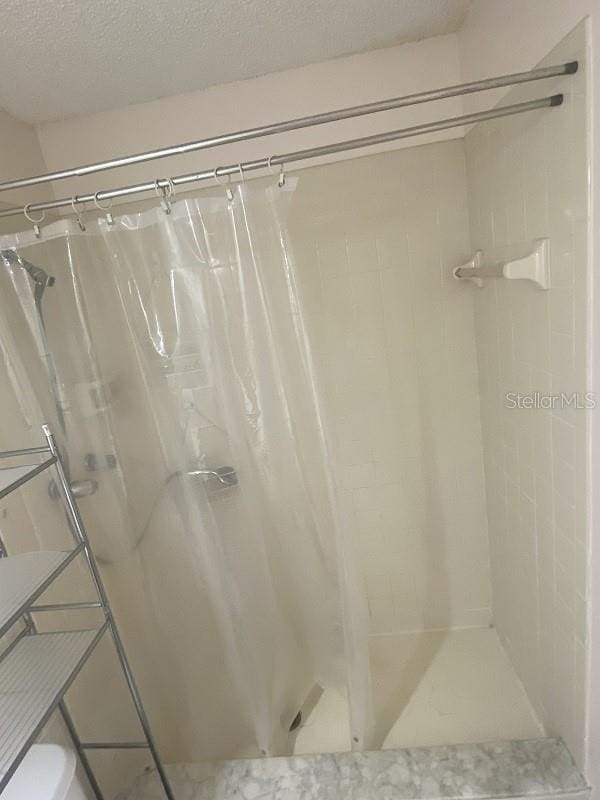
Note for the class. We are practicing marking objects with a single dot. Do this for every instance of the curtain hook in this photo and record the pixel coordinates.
(281, 179)
(241, 171)
(165, 193)
(169, 191)
(36, 222)
(228, 191)
(109, 217)
(77, 213)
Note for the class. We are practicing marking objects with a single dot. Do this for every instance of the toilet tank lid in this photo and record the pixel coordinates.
(46, 773)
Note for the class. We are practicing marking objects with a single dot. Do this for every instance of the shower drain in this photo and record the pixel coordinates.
(296, 722)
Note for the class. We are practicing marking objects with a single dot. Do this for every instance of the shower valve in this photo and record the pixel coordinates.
(83, 488)
(93, 463)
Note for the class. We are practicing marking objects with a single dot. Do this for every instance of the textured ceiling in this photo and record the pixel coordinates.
(60, 58)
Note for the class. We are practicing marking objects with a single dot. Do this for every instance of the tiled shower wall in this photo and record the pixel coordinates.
(376, 239)
(527, 178)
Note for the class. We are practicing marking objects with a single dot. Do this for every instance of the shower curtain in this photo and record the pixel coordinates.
(188, 393)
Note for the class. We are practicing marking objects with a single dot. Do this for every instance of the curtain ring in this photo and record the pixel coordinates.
(99, 205)
(109, 217)
(241, 171)
(165, 194)
(34, 221)
(27, 213)
(228, 191)
(77, 213)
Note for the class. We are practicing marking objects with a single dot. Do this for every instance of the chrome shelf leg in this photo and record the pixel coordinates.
(80, 534)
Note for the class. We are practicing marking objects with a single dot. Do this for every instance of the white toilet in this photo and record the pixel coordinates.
(46, 773)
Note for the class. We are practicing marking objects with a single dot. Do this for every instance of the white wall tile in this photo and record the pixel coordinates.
(399, 368)
(527, 179)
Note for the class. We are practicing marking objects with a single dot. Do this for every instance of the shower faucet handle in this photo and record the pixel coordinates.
(94, 463)
(82, 488)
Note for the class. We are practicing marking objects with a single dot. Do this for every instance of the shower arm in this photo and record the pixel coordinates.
(39, 276)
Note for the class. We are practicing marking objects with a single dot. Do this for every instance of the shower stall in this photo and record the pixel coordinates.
(337, 493)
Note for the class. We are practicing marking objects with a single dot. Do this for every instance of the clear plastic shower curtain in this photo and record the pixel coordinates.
(186, 385)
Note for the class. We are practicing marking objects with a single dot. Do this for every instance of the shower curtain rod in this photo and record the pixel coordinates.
(567, 68)
(167, 184)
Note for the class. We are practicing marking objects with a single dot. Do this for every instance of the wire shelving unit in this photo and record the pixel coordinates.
(37, 669)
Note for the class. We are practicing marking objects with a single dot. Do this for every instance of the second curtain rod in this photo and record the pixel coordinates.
(540, 73)
(167, 184)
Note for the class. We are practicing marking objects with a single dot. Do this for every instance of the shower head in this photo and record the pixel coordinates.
(39, 276)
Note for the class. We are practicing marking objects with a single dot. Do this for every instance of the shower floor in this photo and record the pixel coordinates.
(430, 688)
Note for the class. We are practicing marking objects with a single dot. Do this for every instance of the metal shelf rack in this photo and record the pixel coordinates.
(37, 669)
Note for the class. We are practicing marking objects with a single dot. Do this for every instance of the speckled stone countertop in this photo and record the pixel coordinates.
(536, 768)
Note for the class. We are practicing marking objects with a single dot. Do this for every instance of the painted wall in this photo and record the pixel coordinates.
(376, 240)
(528, 180)
(308, 90)
(20, 154)
(515, 35)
